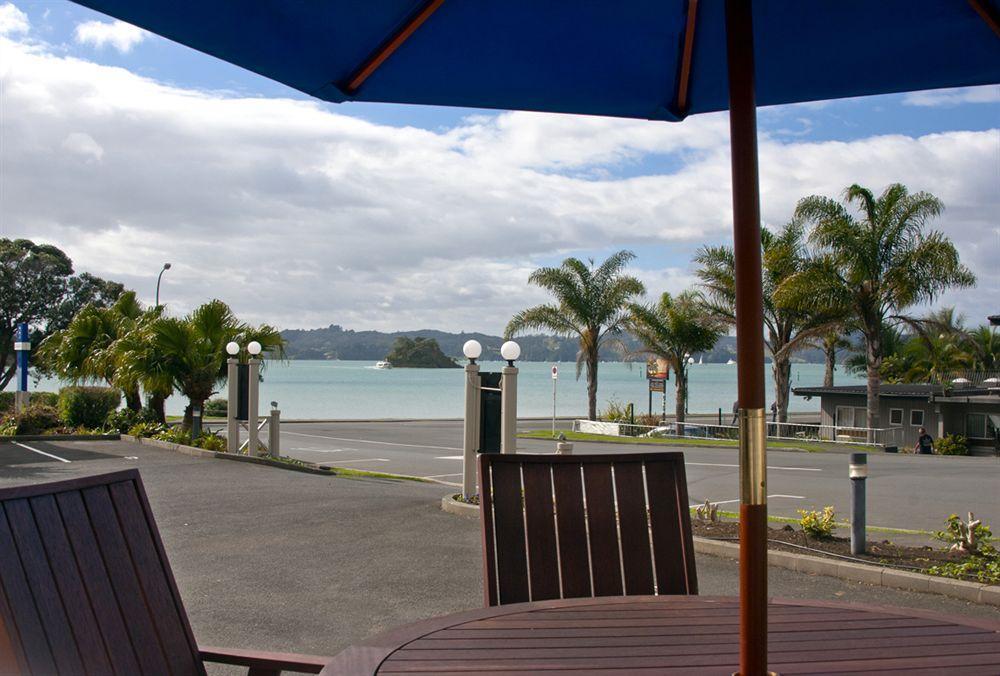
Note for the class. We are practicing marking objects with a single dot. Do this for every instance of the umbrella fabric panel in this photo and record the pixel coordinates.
(591, 57)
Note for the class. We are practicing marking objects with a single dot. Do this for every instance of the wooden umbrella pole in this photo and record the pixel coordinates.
(749, 339)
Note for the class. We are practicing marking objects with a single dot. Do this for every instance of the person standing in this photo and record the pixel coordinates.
(925, 443)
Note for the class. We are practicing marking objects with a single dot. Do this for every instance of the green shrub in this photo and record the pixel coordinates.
(211, 441)
(87, 406)
(47, 398)
(174, 435)
(952, 444)
(125, 419)
(818, 524)
(615, 411)
(216, 408)
(147, 429)
(981, 561)
(35, 419)
(8, 426)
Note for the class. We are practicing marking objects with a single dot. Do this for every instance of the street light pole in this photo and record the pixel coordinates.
(166, 266)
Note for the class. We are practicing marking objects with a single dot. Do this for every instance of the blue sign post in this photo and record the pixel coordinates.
(22, 346)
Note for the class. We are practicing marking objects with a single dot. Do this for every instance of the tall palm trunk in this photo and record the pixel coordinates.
(156, 405)
(592, 362)
(132, 398)
(873, 345)
(681, 390)
(830, 359)
(782, 369)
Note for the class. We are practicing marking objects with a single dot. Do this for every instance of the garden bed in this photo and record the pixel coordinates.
(882, 553)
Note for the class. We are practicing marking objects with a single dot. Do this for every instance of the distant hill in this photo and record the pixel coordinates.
(335, 342)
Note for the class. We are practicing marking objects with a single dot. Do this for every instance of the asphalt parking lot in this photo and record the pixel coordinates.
(271, 559)
(904, 491)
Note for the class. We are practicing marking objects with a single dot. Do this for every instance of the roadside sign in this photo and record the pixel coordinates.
(657, 385)
(555, 372)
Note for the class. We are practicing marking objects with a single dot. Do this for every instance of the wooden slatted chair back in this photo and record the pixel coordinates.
(586, 525)
(85, 586)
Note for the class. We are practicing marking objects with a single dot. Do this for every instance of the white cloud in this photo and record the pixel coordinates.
(84, 146)
(13, 20)
(954, 97)
(118, 34)
(302, 217)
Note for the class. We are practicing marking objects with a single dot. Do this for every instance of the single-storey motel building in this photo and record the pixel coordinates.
(959, 408)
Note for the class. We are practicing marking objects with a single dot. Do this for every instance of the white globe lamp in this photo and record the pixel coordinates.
(253, 348)
(510, 351)
(472, 350)
(233, 348)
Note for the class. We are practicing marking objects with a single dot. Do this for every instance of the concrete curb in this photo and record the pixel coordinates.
(63, 437)
(816, 565)
(452, 506)
(294, 467)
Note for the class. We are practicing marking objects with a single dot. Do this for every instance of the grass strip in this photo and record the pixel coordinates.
(808, 446)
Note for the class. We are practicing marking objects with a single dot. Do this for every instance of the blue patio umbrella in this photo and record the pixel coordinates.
(648, 59)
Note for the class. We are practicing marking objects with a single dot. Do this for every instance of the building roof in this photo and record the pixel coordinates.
(900, 391)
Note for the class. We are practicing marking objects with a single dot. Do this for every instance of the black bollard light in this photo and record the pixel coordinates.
(858, 473)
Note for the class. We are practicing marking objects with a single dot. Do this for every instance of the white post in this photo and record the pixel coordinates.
(555, 379)
(253, 392)
(232, 424)
(471, 430)
(508, 409)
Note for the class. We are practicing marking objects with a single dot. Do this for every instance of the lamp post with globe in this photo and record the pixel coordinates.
(472, 350)
(508, 397)
(253, 396)
(232, 378)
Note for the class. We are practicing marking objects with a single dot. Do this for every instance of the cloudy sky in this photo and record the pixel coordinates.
(127, 151)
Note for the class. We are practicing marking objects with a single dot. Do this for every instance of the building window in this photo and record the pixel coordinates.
(979, 426)
(916, 417)
(845, 416)
(896, 416)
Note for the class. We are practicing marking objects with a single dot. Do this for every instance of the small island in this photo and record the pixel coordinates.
(421, 353)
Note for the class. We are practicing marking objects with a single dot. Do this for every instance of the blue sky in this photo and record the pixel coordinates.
(800, 142)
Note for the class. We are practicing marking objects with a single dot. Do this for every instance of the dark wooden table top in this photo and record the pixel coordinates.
(677, 635)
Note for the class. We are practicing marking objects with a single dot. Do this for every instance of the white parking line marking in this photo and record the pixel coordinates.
(321, 450)
(449, 457)
(344, 462)
(440, 476)
(726, 502)
(787, 469)
(366, 441)
(35, 450)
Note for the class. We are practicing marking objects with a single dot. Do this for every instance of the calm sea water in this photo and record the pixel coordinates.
(355, 389)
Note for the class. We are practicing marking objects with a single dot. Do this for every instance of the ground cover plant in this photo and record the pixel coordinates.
(818, 524)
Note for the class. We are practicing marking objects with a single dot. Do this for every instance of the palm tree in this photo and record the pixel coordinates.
(673, 330)
(191, 351)
(983, 347)
(138, 366)
(831, 342)
(791, 323)
(84, 350)
(591, 303)
(877, 261)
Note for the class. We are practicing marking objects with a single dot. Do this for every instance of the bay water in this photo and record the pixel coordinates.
(356, 389)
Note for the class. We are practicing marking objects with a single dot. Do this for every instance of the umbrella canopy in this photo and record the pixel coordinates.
(648, 59)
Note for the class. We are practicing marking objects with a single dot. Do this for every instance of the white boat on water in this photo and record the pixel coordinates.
(383, 364)
(730, 362)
